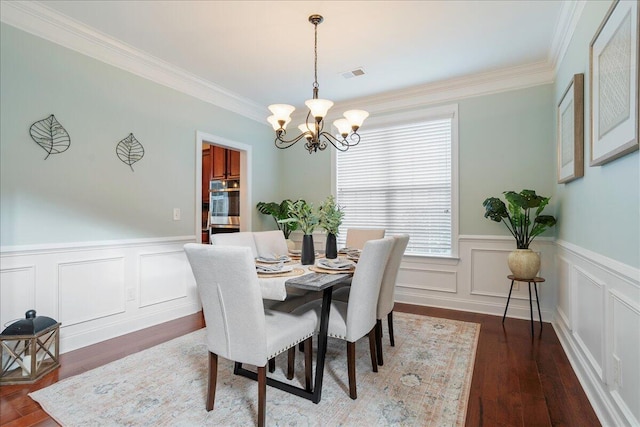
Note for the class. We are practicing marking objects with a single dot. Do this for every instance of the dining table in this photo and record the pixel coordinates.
(311, 278)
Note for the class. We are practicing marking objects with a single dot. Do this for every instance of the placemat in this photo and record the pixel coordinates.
(292, 273)
(327, 271)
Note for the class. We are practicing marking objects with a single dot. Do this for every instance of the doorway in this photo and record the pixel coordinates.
(234, 154)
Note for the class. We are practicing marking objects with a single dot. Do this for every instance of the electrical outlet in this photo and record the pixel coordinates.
(176, 214)
(617, 371)
(131, 294)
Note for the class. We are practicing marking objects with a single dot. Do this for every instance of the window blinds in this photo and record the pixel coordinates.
(399, 178)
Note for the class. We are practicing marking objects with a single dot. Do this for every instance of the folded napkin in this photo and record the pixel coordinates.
(274, 258)
(269, 268)
(337, 265)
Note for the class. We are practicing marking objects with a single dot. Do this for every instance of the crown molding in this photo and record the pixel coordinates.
(502, 80)
(39, 20)
(565, 27)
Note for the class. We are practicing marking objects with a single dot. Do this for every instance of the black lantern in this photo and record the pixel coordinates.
(29, 349)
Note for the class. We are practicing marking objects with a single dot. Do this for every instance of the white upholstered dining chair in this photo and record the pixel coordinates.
(270, 243)
(357, 237)
(242, 238)
(386, 298)
(238, 327)
(357, 319)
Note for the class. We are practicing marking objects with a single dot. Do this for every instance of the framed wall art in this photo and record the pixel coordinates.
(613, 62)
(571, 131)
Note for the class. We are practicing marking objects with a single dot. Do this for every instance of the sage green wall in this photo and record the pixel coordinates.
(87, 193)
(505, 143)
(600, 211)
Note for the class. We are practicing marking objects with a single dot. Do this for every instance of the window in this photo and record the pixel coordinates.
(402, 177)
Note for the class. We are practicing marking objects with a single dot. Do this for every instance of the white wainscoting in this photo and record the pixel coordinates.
(477, 280)
(98, 290)
(598, 323)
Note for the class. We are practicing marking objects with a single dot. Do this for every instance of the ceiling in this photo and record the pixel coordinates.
(262, 51)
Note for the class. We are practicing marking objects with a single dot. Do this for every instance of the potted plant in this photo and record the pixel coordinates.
(523, 225)
(279, 212)
(303, 214)
(330, 217)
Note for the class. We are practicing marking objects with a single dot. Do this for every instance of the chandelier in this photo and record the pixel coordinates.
(313, 130)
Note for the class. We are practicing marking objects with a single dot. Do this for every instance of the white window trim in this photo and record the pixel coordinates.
(399, 118)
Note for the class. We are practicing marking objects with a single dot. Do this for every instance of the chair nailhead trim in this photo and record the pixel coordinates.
(287, 348)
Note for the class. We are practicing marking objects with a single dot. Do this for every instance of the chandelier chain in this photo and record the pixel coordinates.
(315, 58)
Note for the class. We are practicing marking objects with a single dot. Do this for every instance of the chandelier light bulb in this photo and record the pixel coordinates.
(318, 107)
(282, 111)
(343, 126)
(356, 117)
(276, 125)
(308, 129)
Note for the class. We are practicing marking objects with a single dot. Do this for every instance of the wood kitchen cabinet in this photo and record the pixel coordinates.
(224, 163)
(233, 164)
(218, 162)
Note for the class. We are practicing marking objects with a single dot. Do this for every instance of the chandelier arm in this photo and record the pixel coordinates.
(337, 144)
(286, 144)
(355, 137)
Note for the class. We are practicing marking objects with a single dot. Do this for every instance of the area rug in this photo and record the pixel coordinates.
(424, 381)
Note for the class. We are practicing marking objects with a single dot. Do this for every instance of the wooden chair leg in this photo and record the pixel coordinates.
(351, 368)
(262, 395)
(213, 378)
(372, 349)
(272, 365)
(390, 322)
(379, 342)
(291, 362)
(308, 362)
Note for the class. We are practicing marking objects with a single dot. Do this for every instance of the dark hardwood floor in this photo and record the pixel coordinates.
(517, 380)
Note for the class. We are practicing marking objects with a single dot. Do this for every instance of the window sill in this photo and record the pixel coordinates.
(432, 259)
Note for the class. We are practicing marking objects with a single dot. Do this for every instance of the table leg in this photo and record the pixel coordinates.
(531, 308)
(322, 343)
(535, 287)
(505, 309)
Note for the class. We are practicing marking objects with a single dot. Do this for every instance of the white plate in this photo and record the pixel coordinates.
(284, 269)
(272, 261)
(295, 251)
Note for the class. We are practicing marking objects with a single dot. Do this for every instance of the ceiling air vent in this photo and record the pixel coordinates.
(353, 73)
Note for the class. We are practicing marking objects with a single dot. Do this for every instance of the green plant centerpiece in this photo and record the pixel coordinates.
(330, 215)
(278, 212)
(522, 215)
(304, 215)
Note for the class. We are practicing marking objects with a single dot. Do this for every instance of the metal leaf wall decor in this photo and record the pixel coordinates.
(50, 135)
(130, 150)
